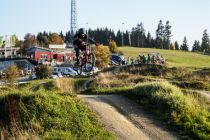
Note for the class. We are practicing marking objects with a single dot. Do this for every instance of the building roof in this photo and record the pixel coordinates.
(67, 50)
(38, 49)
(9, 49)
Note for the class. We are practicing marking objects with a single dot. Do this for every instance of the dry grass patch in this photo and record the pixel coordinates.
(65, 85)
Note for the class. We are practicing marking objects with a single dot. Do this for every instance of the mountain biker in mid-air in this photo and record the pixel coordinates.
(80, 42)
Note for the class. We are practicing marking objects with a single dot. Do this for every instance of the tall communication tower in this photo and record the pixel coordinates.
(73, 17)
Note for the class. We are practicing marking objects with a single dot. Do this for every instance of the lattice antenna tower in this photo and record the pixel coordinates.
(73, 17)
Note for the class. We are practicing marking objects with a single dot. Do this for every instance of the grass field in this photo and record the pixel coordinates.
(173, 57)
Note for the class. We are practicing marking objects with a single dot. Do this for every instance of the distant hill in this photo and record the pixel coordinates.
(173, 57)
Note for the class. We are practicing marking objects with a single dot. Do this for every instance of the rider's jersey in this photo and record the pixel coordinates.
(80, 41)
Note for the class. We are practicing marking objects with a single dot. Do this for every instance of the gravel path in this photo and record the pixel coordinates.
(125, 119)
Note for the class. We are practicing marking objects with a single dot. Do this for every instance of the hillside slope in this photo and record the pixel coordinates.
(173, 57)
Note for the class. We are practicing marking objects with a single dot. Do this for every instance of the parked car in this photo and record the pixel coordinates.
(65, 71)
(70, 72)
(117, 59)
(55, 75)
(94, 69)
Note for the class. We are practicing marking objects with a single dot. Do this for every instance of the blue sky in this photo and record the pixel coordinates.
(187, 17)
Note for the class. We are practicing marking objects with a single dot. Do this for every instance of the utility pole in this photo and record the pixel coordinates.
(87, 29)
(122, 35)
(129, 37)
(5, 47)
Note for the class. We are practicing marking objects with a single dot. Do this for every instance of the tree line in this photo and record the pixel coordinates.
(137, 37)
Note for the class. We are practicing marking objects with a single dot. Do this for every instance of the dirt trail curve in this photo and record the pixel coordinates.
(205, 93)
(126, 120)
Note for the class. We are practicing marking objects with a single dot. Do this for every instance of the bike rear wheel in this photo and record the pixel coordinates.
(90, 62)
(79, 66)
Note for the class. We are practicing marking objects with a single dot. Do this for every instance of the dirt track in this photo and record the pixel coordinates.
(126, 120)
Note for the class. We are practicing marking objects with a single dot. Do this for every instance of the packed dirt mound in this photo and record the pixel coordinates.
(201, 75)
(149, 70)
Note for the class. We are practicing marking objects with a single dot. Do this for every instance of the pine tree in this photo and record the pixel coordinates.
(68, 37)
(196, 46)
(43, 39)
(184, 46)
(176, 45)
(141, 34)
(167, 36)
(159, 35)
(148, 41)
(62, 36)
(205, 45)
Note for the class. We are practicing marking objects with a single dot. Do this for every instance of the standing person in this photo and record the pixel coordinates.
(132, 61)
(129, 60)
(148, 59)
(144, 59)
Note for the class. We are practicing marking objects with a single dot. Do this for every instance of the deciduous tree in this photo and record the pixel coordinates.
(102, 56)
(56, 39)
(113, 46)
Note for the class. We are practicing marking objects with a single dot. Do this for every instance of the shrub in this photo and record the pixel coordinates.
(113, 47)
(103, 80)
(43, 71)
(102, 56)
(11, 74)
(65, 85)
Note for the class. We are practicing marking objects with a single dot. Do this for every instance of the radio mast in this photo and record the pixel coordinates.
(73, 17)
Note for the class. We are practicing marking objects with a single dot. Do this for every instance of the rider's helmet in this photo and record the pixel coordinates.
(81, 31)
(81, 34)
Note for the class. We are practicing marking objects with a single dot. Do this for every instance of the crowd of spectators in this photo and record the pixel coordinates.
(151, 58)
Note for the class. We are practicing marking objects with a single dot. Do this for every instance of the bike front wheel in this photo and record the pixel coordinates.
(90, 62)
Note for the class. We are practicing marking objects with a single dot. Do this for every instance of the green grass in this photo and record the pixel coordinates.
(196, 85)
(173, 57)
(46, 114)
(186, 113)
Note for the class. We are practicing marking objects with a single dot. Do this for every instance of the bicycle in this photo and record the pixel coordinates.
(86, 61)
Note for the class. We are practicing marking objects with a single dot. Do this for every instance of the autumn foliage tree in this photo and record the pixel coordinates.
(29, 40)
(102, 56)
(113, 46)
(56, 39)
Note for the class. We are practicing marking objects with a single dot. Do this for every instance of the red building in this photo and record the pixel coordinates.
(64, 55)
(44, 54)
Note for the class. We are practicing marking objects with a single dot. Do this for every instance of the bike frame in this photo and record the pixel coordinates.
(85, 54)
